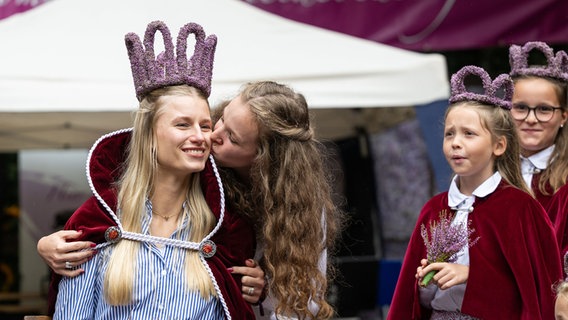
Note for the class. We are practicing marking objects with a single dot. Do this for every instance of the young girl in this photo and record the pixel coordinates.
(540, 111)
(506, 273)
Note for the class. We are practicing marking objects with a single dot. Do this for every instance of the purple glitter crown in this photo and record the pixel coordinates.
(171, 68)
(490, 88)
(556, 66)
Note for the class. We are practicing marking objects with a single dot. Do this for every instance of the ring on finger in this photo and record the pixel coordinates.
(250, 291)
(68, 265)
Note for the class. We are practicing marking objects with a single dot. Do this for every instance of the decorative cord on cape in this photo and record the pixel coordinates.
(159, 240)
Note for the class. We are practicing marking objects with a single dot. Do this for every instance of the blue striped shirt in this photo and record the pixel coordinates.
(159, 288)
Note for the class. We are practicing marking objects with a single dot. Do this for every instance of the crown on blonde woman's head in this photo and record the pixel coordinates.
(491, 89)
(556, 65)
(171, 68)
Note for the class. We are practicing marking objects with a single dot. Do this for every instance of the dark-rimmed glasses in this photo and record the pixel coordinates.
(521, 111)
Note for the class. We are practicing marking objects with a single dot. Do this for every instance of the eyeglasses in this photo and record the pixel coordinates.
(521, 111)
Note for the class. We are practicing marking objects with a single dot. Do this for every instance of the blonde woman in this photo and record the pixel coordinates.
(167, 241)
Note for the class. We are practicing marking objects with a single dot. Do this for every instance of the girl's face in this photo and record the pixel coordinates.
(235, 139)
(183, 134)
(534, 135)
(468, 146)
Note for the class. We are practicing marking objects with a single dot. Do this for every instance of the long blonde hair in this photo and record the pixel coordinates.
(135, 186)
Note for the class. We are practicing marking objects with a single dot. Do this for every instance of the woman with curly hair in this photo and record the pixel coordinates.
(274, 172)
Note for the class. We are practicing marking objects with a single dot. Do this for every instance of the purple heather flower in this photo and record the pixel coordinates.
(444, 241)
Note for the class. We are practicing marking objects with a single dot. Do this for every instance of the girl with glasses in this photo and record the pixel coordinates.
(540, 112)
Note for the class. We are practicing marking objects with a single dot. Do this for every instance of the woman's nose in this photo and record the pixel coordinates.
(197, 136)
(216, 137)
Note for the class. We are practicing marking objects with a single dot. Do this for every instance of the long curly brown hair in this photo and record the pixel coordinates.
(290, 197)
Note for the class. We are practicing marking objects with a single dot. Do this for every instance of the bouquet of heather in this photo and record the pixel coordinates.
(445, 241)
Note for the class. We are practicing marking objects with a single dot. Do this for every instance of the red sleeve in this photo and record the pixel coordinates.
(406, 299)
(559, 210)
(93, 221)
(543, 199)
(516, 261)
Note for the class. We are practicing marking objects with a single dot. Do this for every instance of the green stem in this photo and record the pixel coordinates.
(427, 278)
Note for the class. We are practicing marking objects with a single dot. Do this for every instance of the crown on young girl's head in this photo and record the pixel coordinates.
(556, 66)
(491, 89)
(171, 68)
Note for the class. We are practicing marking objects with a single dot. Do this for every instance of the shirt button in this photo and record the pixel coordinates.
(164, 272)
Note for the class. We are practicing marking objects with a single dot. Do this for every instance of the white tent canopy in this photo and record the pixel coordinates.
(65, 75)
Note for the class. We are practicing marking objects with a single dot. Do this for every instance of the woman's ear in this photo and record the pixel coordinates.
(564, 118)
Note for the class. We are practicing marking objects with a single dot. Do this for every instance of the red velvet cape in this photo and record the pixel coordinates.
(542, 198)
(512, 266)
(235, 239)
(559, 209)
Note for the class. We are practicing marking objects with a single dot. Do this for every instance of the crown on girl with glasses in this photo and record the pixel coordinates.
(556, 65)
(491, 89)
(171, 68)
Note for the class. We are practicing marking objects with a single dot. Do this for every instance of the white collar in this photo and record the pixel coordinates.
(456, 199)
(540, 159)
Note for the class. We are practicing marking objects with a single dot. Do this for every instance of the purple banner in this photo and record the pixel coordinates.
(10, 7)
(432, 25)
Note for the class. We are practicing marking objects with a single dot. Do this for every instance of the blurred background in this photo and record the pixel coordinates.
(375, 74)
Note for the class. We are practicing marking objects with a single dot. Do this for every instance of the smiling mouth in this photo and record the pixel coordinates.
(194, 151)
